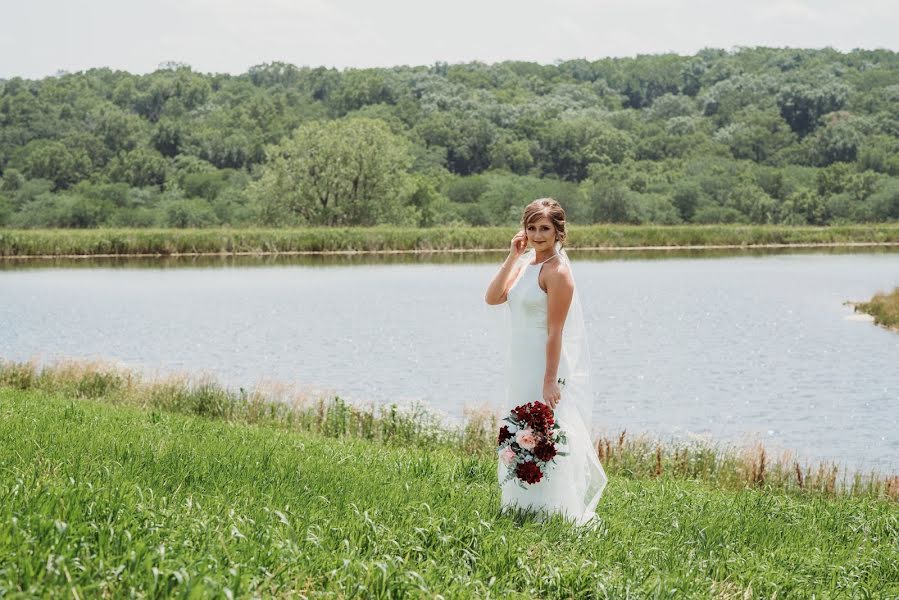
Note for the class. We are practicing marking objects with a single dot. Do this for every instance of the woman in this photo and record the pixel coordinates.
(548, 361)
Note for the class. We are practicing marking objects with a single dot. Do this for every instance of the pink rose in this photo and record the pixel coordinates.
(508, 455)
(526, 439)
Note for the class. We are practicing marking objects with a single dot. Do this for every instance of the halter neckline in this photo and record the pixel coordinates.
(543, 261)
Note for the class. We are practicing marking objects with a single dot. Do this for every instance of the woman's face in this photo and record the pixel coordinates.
(541, 233)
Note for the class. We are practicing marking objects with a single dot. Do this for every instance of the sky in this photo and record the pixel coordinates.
(41, 37)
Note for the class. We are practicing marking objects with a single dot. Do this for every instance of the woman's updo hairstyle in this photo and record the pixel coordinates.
(546, 207)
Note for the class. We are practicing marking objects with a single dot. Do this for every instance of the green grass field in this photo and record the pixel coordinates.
(113, 500)
(61, 242)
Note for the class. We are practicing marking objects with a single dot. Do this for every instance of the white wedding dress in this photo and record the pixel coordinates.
(573, 486)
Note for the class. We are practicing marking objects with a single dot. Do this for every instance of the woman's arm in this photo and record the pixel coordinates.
(499, 288)
(559, 291)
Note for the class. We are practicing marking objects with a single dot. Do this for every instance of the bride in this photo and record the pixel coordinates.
(548, 361)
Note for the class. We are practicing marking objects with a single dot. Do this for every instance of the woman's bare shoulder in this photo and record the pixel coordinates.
(560, 270)
(558, 276)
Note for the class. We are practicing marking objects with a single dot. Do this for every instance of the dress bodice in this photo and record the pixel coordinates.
(527, 300)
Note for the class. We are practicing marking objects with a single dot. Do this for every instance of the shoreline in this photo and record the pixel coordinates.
(672, 248)
(882, 309)
(382, 239)
(723, 464)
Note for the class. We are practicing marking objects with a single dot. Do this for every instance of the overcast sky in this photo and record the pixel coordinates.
(41, 37)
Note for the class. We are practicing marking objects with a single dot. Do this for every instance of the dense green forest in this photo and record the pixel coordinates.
(754, 135)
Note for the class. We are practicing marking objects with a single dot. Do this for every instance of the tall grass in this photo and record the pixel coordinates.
(165, 242)
(416, 425)
(884, 307)
(106, 501)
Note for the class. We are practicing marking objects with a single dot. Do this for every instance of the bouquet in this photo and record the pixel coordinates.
(529, 443)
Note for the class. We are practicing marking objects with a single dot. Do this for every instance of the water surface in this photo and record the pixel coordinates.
(730, 347)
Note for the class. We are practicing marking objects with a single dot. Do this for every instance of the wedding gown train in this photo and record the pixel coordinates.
(573, 486)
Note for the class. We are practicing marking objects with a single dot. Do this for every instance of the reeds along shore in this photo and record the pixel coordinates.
(884, 307)
(623, 455)
(104, 242)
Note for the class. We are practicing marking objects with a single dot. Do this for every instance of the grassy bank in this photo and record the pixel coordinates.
(166, 242)
(884, 307)
(107, 501)
(416, 425)
(342, 259)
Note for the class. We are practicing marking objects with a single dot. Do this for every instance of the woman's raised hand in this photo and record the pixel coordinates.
(519, 243)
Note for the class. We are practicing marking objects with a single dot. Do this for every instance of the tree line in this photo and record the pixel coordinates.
(753, 135)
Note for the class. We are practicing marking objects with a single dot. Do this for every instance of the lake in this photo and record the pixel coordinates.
(728, 347)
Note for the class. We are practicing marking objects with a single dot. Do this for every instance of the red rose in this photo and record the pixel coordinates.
(504, 434)
(545, 451)
(520, 413)
(528, 472)
(536, 415)
(542, 419)
(541, 413)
